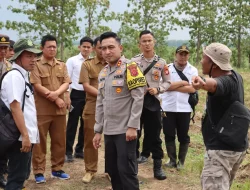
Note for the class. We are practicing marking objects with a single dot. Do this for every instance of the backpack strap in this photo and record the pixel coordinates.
(26, 84)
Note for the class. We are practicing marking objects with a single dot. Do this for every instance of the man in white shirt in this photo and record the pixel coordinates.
(12, 91)
(178, 110)
(77, 98)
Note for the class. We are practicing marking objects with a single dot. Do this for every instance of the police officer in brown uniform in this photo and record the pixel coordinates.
(89, 78)
(118, 110)
(50, 79)
(4, 66)
(151, 120)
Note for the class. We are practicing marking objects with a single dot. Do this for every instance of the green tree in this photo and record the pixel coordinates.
(145, 15)
(48, 17)
(96, 11)
(236, 15)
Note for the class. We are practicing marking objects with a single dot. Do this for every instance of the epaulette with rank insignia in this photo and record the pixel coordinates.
(138, 55)
(60, 60)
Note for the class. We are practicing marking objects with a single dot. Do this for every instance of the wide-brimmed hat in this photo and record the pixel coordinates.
(182, 48)
(220, 55)
(4, 40)
(24, 45)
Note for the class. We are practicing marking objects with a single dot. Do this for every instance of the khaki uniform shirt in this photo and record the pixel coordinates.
(50, 77)
(156, 73)
(89, 73)
(117, 107)
(6, 66)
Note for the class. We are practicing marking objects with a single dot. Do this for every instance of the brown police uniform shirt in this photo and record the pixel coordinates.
(50, 77)
(5, 66)
(89, 73)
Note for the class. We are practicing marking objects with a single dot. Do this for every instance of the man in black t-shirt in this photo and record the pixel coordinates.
(221, 160)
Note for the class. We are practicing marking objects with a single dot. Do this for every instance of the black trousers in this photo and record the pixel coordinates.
(176, 122)
(78, 102)
(3, 165)
(18, 167)
(145, 149)
(120, 162)
(152, 129)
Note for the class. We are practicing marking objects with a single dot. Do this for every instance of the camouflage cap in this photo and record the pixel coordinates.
(4, 40)
(24, 45)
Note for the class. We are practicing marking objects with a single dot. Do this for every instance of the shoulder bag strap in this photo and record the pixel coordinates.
(24, 93)
(180, 73)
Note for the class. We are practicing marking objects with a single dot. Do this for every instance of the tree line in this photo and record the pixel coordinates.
(208, 21)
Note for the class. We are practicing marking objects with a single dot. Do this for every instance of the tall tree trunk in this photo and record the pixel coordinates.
(198, 45)
(61, 29)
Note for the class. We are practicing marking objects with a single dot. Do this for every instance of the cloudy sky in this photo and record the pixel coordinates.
(116, 5)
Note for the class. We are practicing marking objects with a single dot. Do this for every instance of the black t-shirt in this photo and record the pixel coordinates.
(217, 104)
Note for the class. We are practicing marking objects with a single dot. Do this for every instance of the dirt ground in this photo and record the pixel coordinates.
(176, 180)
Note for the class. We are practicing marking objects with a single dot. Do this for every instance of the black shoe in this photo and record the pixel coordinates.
(79, 155)
(69, 158)
(158, 172)
(171, 164)
(142, 159)
(3, 182)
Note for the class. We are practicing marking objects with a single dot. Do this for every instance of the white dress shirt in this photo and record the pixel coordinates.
(174, 101)
(74, 65)
(13, 86)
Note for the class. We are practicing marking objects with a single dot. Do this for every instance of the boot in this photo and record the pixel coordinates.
(158, 172)
(183, 149)
(171, 150)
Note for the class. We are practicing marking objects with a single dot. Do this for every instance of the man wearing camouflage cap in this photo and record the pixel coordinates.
(222, 158)
(16, 87)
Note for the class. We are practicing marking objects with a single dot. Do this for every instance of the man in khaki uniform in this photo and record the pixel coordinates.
(4, 66)
(89, 78)
(50, 79)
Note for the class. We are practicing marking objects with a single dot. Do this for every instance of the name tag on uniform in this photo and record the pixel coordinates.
(117, 82)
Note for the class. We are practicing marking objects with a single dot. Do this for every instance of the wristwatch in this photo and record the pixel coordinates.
(158, 90)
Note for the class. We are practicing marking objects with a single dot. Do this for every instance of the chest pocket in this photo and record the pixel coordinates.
(59, 73)
(45, 79)
(156, 73)
(118, 87)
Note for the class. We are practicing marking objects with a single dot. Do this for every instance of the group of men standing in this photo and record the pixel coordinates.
(109, 94)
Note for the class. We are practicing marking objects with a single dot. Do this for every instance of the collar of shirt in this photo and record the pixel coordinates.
(44, 60)
(22, 70)
(80, 57)
(154, 58)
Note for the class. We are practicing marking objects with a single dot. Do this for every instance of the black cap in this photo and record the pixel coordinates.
(182, 48)
(12, 43)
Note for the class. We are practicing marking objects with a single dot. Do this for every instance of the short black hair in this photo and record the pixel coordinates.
(106, 35)
(146, 32)
(12, 44)
(96, 40)
(46, 38)
(86, 39)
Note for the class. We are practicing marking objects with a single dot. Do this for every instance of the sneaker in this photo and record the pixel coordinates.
(79, 155)
(59, 174)
(69, 158)
(40, 178)
(3, 182)
(142, 159)
(88, 177)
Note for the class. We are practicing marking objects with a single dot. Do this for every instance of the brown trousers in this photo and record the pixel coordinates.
(90, 153)
(56, 126)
